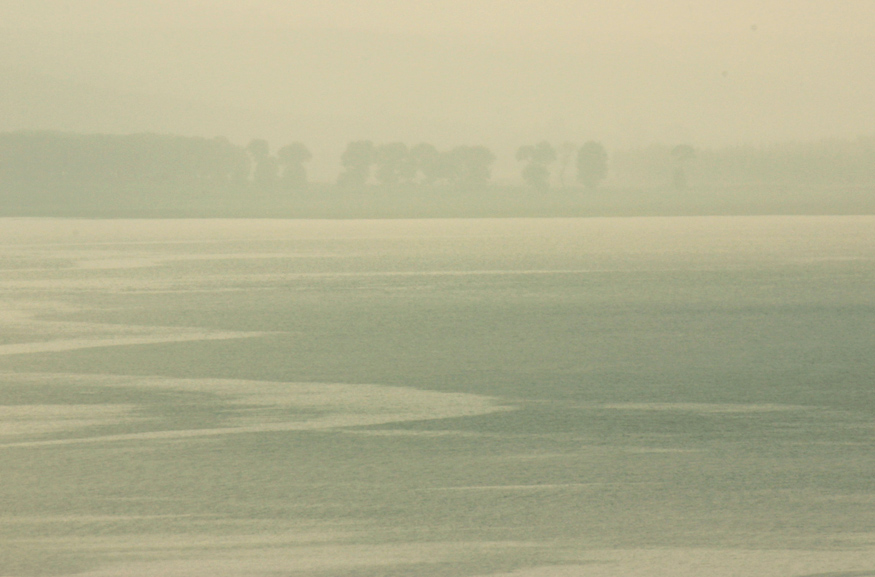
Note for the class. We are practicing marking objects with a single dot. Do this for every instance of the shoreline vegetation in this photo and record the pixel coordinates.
(47, 174)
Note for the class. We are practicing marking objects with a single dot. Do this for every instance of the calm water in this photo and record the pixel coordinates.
(677, 396)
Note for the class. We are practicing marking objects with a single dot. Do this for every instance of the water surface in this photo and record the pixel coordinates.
(438, 397)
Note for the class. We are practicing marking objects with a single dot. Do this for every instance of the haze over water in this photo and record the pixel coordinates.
(643, 396)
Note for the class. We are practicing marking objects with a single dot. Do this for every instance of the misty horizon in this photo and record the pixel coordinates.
(750, 75)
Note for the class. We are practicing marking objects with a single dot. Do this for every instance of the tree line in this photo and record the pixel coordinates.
(47, 162)
(825, 163)
(396, 163)
(42, 162)
(50, 160)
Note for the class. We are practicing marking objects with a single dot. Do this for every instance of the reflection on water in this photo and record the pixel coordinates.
(448, 397)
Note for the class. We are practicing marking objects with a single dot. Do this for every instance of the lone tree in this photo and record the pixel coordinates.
(291, 159)
(538, 157)
(592, 164)
(356, 162)
(681, 155)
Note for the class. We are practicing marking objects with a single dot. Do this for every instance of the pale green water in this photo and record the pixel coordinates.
(448, 397)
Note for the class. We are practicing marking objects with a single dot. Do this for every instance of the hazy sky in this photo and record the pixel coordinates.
(498, 72)
(600, 17)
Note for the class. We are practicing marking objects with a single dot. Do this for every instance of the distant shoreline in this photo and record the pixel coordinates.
(330, 202)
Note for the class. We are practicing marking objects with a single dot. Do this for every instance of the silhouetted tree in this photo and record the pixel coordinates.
(681, 155)
(266, 166)
(239, 166)
(536, 174)
(592, 164)
(470, 166)
(393, 163)
(356, 162)
(291, 159)
(427, 161)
